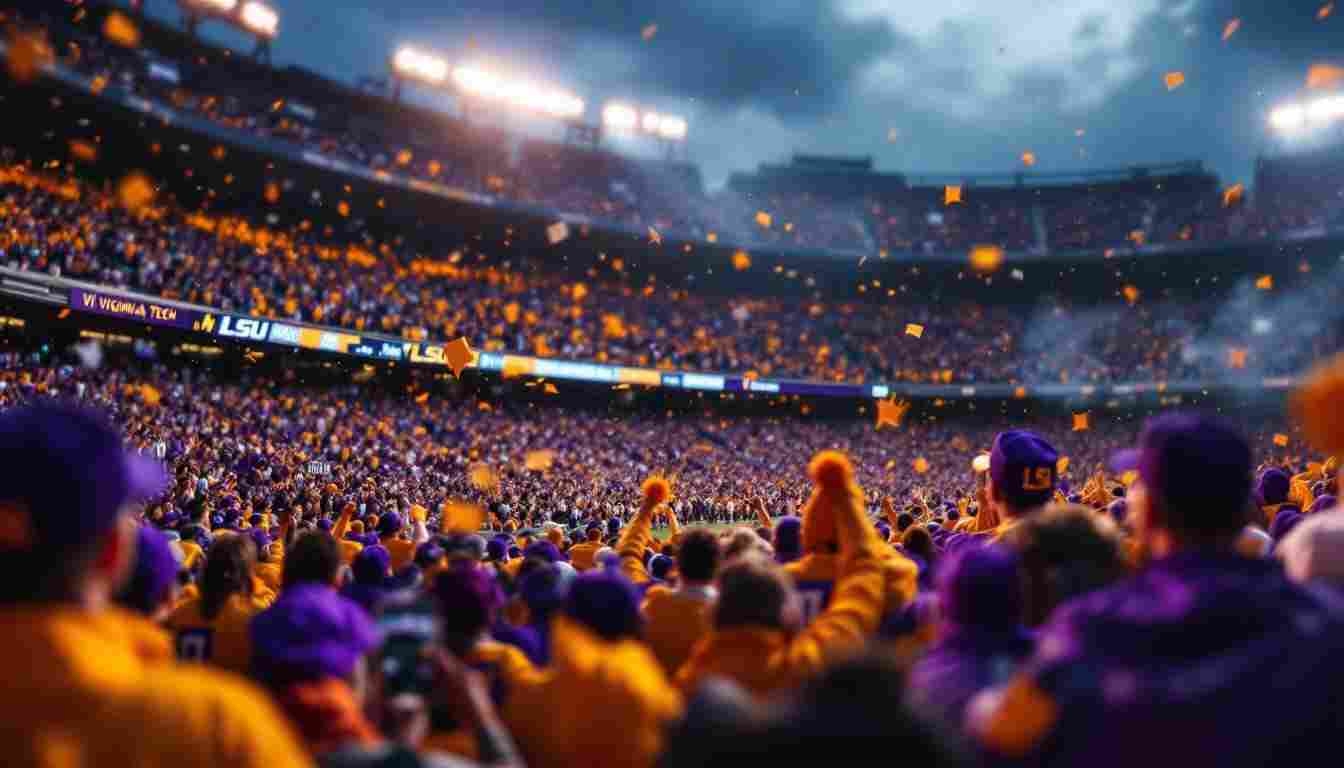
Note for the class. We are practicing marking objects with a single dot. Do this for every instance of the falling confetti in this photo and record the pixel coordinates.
(891, 412)
(83, 151)
(763, 220)
(914, 329)
(1281, 440)
(1236, 357)
(1324, 76)
(1016, 274)
(271, 193)
(1324, 12)
(648, 32)
(1230, 28)
(921, 465)
(550, 389)
(654, 237)
(29, 53)
(1028, 159)
(422, 398)
(1233, 195)
(458, 354)
(1131, 294)
(539, 461)
(121, 30)
(741, 260)
(557, 232)
(986, 258)
(135, 191)
(1265, 282)
(1020, 392)
(951, 194)
(461, 517)
(1081, 422)
(1174, 80)
(1062, 465)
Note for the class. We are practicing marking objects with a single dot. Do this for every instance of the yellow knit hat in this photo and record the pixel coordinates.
(833, 478)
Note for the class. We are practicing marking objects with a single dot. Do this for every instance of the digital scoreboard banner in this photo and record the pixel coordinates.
(136, 309)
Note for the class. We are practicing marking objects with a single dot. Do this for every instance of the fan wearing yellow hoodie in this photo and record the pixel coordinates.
(815, 573)
(758, 640)
(676, 619)
(97, 685)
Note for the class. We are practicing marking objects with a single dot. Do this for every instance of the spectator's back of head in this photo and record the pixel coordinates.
(313, 558)
(1065, 551)
(752, 593)
(698, 557)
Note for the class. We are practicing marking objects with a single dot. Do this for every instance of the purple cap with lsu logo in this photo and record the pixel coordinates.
(1024, 468)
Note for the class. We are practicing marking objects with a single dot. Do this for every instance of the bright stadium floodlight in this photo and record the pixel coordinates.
(260, 19)
(1325, 109)
(620, 117)
(1288, 118)
(672, 128)
(652, 120)
(415, 64)
(212, 6)
(517, 93)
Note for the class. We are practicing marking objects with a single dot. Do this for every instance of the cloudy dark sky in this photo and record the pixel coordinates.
(921, 85)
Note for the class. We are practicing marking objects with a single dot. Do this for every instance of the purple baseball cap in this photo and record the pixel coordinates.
(660, 566)
(981, 587)
(310, 633)
(261, 538)
(371, 565)
(389, 524)
(67, 477)
(544, 550)
(467, 599)
(325, 524)
(1024, 468)
(788, 538)
(152, 577)
(1272, 486)
(605, 602)
(1198, 467)
(496, 550)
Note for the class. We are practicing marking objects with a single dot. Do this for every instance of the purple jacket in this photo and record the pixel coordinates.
(1203, 659)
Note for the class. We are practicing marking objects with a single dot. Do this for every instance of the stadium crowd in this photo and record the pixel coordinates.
(75, 230)
(368, 576)
(604, 185)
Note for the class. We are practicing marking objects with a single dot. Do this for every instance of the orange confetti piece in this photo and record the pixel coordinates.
(712, 237)
(1233, 195)
(550, 389)
(1062, 465)
(1236, 357)
(986, 258)
(1281, 440)
(1174, 80)
(422, 398)
(578, 291)
(1230, 28)
(951, 194)
(654, 237)
(29, 53)
(1028, 159)
(461, 517)
(84, 151)
(64, 313)
(763, 220)
(1020, 392)
(135, 191)
(1324, 76)
(891, 412)
(1131, 294)
(914, 329)
(1081, 422)
(458, 354)
(271, 193)
(921, 465)
(121, 30)
(1324, 11)
(1265, 282)
(343, 208)
(150, 395)
(741, 260)
(539, 461)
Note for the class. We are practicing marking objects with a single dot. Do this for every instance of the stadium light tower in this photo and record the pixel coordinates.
(252, 16)
(623, 118)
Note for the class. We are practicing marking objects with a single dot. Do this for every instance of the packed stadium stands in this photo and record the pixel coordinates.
(264, 503)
